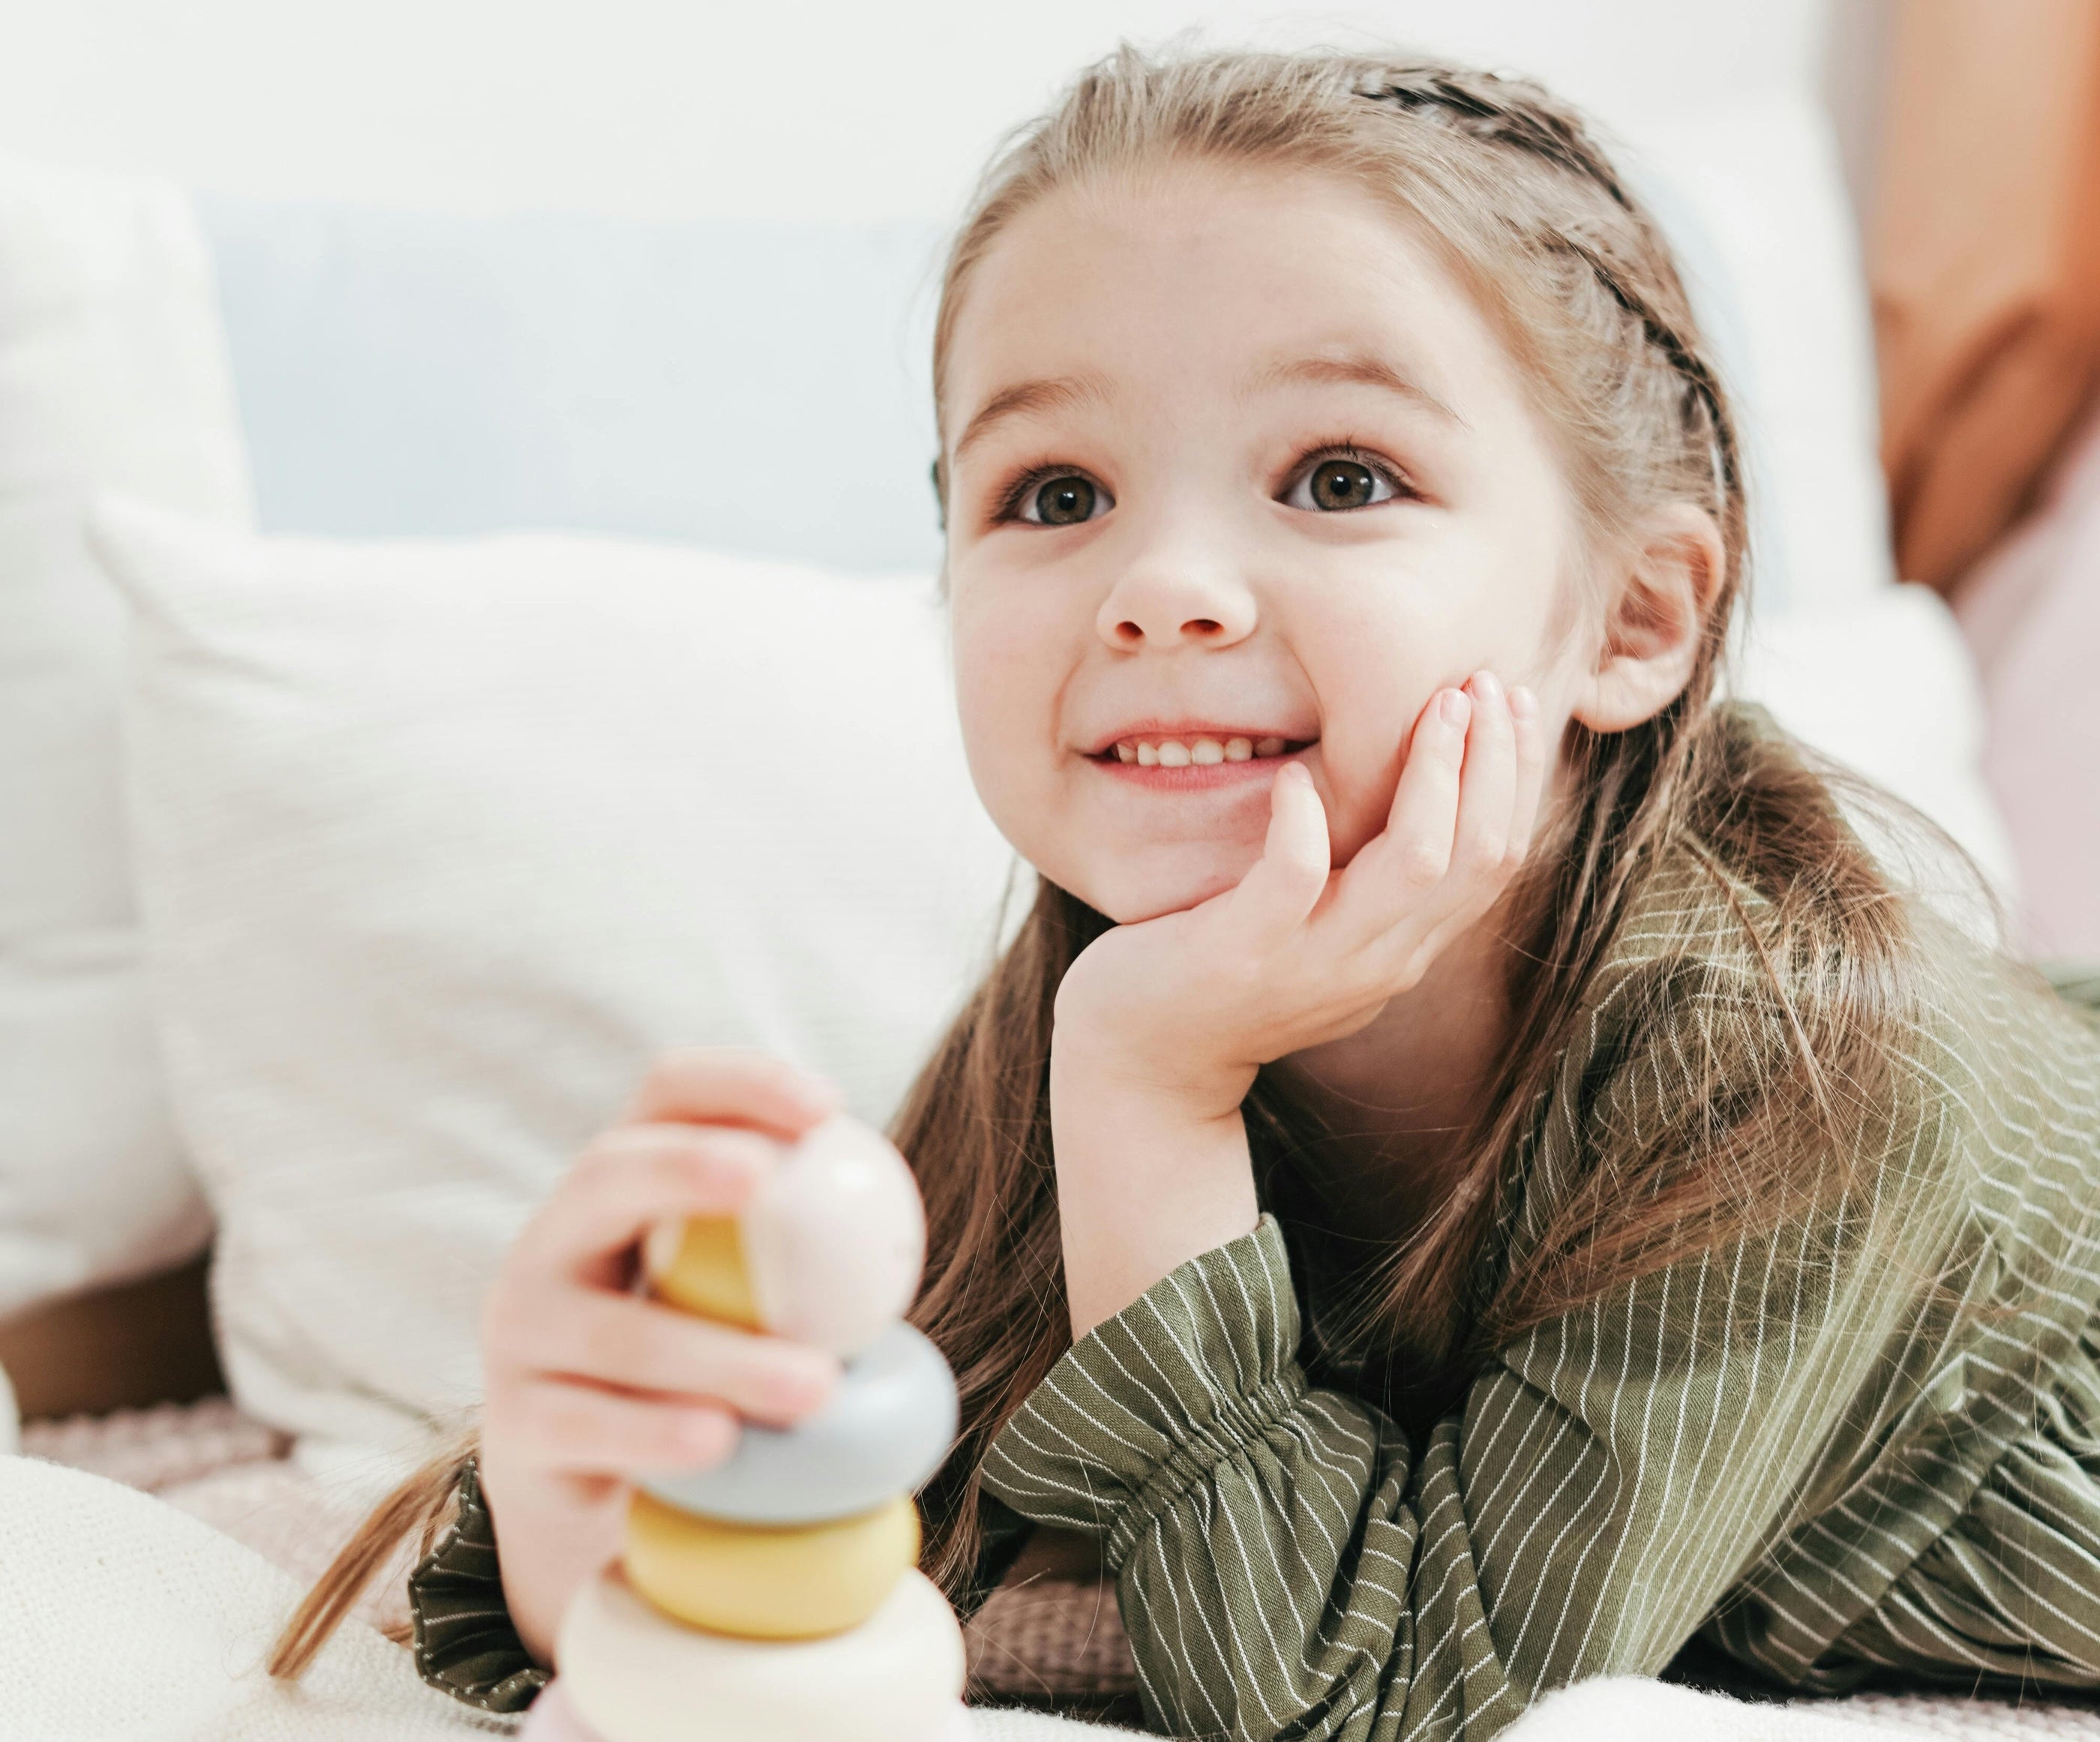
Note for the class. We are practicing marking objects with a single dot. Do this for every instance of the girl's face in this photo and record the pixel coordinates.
(1236, 471)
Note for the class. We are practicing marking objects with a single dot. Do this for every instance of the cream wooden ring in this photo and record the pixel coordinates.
(634, 1675)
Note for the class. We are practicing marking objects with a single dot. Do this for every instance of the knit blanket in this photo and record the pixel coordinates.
(148, 1559)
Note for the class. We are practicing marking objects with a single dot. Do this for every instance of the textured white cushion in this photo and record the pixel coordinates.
(438, 844)
(112, 376)
(123, 1619)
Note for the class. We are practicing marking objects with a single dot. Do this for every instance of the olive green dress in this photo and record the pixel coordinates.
(1867, 1440)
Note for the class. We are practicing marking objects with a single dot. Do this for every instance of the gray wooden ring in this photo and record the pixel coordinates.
(883, 1432)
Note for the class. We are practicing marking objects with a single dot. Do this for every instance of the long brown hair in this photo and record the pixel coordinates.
(1512, 189)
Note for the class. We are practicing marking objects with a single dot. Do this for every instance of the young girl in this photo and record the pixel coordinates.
(1469, 1176)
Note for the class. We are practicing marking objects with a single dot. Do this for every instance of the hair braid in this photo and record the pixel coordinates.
(1700, 380)
(1523, 117)
(1502, 112)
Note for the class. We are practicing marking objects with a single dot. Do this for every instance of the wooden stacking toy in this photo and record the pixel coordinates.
(777, 1595)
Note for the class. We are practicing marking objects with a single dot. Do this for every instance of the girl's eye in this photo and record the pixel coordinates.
(1063, 500)
(1338, 483)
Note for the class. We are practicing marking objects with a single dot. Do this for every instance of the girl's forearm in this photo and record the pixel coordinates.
(1145, 1182)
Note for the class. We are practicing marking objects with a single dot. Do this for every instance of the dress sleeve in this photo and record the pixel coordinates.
(1289, 1565)
(464, 1640)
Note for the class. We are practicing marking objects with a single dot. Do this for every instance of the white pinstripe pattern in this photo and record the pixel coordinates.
(1870, 1438)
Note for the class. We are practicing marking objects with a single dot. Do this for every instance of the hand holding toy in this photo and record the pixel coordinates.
(776, 1594)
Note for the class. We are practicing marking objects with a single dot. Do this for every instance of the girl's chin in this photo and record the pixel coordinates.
(1130, 897)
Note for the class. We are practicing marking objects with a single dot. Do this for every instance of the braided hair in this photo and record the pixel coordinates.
(1516, 115)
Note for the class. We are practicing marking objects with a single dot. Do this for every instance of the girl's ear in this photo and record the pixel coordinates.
(1654, 620)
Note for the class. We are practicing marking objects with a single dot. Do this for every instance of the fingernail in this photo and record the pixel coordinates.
(1486, 684)
(1457, 707)
(1523, 705)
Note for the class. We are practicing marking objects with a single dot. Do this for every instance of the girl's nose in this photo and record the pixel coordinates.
(1181, 606)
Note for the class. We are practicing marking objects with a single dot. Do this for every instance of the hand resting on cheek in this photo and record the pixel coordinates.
(1162, 1025)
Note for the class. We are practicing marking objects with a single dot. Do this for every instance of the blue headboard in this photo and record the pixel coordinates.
(748, 386)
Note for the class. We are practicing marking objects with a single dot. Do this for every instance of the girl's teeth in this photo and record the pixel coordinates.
(1171, 752)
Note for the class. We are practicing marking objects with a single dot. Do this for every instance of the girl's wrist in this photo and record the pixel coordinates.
(1148, 1178)
(1155, 1087)
(551, 1539)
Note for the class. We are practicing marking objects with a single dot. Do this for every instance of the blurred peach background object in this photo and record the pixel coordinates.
(1983, 255)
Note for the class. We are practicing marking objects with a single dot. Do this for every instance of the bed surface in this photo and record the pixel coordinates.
(186, 1532)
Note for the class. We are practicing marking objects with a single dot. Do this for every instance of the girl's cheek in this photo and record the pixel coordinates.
(1010, 649)
(1355, 819)
(1003, 724)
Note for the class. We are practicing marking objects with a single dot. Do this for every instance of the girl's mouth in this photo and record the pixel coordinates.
(1151, 751)
(1193, 761)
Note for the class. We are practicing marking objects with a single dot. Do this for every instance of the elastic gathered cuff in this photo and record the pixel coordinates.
(1185, 1466)
(1142, 1407)
(464, 1640)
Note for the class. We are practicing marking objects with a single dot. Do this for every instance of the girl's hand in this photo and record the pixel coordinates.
(1192, 1002)
(1160, 1026)
(589, 1384)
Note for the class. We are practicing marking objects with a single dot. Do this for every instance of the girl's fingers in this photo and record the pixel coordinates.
(1288, 879)
(740, 1084)
(1425, 804)
(566, 1425)
(1487, 788)
(1530, 735)
(1499, 806)
(636, 1344)
(1385, 883)
(637, 1174)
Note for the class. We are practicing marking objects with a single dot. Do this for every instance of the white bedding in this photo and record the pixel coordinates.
(146, 1575)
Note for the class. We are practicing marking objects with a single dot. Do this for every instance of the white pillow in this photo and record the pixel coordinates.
(1887, 684)
(438, 844)
(112, 376)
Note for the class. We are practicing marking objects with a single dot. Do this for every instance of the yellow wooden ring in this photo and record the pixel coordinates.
(827, 1250)
(699, 1265)
(762, 1582)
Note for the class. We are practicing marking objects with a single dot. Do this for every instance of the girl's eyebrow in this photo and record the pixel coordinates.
(1049, 393)
(1055, 392)
(1358, 370)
